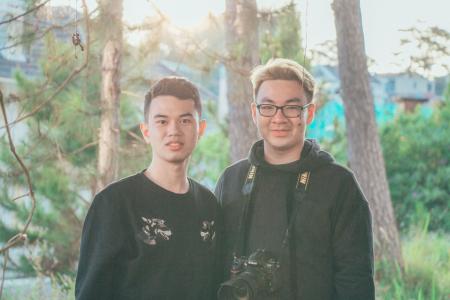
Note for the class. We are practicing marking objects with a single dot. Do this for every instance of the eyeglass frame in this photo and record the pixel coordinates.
(301, 108)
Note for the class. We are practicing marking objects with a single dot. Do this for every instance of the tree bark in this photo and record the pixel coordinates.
(109, 136)
(364, 149)
(243, 54)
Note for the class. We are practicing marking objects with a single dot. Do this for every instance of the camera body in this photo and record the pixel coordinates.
(258, 274)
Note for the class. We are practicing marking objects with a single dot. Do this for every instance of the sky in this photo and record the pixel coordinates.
(382, 20)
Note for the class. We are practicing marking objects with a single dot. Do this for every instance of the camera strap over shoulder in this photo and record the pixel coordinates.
(299, 194)
(288, 242)
(247, 189)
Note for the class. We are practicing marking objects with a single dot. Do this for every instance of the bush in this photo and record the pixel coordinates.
(210, 158)
(417, 155)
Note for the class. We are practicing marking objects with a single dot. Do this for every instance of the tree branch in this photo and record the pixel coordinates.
(21, 235)
(5, 262)
(25, 13)
(67, 80)
(19, 197)
(44, 32)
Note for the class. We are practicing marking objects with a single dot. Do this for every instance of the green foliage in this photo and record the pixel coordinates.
(281, 35)
(53, 149)
(417, 155)
(59, 148)
(426, 274)
(210, 158)
(337, 145)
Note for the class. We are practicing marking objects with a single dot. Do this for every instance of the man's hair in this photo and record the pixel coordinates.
(179, 87)
(283, 69)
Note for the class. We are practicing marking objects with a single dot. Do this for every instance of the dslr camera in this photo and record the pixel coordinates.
(256, 275)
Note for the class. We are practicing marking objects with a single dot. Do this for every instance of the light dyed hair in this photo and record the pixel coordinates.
(283, 69)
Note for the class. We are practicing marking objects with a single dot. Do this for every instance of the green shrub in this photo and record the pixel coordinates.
(417, 155)
(416, 150)
(210, 158)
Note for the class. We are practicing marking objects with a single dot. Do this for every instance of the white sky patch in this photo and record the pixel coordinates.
(382, 20)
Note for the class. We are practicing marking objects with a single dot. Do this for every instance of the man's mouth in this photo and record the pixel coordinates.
(174, 145)
(280, 132)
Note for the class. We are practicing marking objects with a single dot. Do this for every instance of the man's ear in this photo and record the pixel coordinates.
(201, 128)
(253, 108)
(311, 110)
(145, 132)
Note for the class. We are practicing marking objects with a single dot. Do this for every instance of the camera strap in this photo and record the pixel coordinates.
(247, 189)
(299, 195)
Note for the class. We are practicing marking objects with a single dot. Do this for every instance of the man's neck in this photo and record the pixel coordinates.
(172, 177)
(280, 157)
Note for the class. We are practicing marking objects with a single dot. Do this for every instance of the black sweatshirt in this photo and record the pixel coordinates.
(331, 255)
(141, 241)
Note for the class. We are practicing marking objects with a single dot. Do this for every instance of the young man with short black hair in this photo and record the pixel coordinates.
(153, 235)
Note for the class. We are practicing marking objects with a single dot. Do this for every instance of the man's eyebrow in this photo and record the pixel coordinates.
(268, 100)
(180, 116)
(294, 100)
(159, 116)
(186, 115)
(265, 99)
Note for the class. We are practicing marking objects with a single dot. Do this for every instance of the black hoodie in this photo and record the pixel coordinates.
(329, 255)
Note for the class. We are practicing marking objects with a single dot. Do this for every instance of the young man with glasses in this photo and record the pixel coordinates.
(291, 198)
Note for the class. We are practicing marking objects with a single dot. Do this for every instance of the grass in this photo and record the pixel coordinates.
(42, 288)
(426, 272)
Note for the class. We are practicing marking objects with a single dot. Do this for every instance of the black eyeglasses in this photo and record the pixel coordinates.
(289, 111)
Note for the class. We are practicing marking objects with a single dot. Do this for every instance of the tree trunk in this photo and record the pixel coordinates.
(109, 136)
(243, 54)
(364, 149)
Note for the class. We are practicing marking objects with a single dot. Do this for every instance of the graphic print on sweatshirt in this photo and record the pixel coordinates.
(207, 232)
(154, 230)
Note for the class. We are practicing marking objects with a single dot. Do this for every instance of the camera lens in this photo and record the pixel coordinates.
(251, 277)
(239, 290)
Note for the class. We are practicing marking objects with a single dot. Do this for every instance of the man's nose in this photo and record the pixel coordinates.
(174, 128)
(279, 116)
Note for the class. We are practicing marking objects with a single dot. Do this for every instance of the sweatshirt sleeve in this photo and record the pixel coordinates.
(352, 244)
(101, 241)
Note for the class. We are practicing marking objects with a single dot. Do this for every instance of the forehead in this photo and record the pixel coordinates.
(280, 91)
(171, 106)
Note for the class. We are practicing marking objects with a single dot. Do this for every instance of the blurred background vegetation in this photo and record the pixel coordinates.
(59, 144)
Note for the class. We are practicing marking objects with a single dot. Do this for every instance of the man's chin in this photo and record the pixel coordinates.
(176, 159)
(281, 144)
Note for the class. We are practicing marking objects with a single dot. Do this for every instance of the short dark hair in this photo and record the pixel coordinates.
(176, 86)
